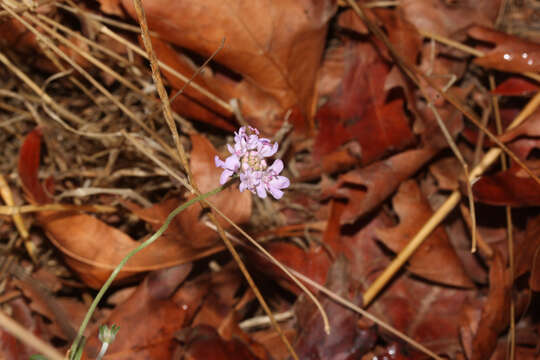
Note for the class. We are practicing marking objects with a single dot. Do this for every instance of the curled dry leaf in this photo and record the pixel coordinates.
(272, 48)
(435, 259)
(510, 53)
(91, 247)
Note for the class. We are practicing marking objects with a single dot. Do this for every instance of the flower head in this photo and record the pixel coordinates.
(247, 159)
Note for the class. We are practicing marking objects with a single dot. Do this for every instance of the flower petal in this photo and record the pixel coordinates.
(261, 191)
(276, 167)
(232, 163)
(279, 182)
(276, 193)
(225, 176)
(219, 163)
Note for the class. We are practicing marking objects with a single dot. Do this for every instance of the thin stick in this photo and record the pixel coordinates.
(41, 94)
(509, 231)
(465, 167)
(183, 158)
(28, 337)
(103, 19)
(85, 54)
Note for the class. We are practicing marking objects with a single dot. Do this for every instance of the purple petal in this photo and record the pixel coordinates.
(279, 182)
(276, 193)
(225, 176)
(242, 186)
(276, 167)
(261, 191)
(265, 147)
(219, 162)
(232, 163)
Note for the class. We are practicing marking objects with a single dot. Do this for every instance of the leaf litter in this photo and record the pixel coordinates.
(366, 159)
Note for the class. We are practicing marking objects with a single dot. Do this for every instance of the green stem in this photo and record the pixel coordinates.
(115, 272)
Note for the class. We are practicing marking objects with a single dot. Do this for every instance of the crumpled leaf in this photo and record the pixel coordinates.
(435, 259)
(91, 247)
(274, 48)
(510, 53)
(367, 187)
(513, 187)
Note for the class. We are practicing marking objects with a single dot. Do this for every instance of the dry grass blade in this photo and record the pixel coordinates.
(17, 210)
(509, 228)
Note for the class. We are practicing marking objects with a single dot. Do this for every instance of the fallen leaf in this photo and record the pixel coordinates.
(495, 312)
(510, 53)
(435, 259)
(346, 339)
(528, 253)
(530, 127)
(272, 49)
(511, 187)
(91, 247)
(152, 302)
(203, 342)
(358, 110)
(516, 86)
(450, 18)
(368, 187)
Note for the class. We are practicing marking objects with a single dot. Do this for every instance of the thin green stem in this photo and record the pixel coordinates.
(116, 271)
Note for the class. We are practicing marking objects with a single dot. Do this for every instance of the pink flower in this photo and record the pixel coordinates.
(248, 161)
